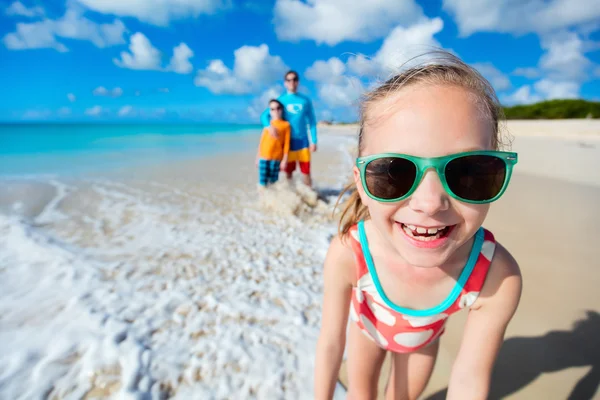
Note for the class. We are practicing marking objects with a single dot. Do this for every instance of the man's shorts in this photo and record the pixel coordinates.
(268, 171)
(301, 157)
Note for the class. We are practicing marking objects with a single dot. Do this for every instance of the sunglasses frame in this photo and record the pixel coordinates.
(422, 164)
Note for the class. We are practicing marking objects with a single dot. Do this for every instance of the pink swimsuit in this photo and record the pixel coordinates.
(403, 330)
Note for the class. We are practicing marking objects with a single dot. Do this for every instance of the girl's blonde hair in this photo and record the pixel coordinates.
(440, 69)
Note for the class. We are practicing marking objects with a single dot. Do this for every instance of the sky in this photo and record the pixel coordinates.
(222, 60)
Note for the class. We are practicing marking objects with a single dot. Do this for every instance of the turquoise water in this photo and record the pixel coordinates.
(27, 149)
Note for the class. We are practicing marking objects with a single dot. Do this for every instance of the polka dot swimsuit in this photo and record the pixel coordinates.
(403, 330)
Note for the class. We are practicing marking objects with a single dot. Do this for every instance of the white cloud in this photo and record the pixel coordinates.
(335, 87)
(253, 68)
(157, 12)
(564, 57)
(403, 44)
(142, 54)
(399, 47)
(557, 89)
(37, 35)
(342, 94)
(64, 111)
(36, 114)
(71, 97)
(17, 8)
(94, 111)
(260, 103)
(126, 111)
(72, 25)
(331, 70)
(102, 91)
(544, 89)
(520, 17)
(180, 62)
(497, 78)
(338, 84)
(334, 21)
(220, 80)
(527, 72)
(256, 64)
(523, 95)
(363, 66)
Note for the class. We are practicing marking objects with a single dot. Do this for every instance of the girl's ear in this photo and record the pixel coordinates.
(358, 183)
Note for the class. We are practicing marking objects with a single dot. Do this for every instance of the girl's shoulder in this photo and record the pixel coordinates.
(503, 282)
(342, 255)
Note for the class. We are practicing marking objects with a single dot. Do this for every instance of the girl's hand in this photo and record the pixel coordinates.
(485, 327)
(283, 165)
(273, 132)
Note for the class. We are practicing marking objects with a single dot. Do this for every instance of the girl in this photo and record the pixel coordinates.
(411, 249)
(273, 150)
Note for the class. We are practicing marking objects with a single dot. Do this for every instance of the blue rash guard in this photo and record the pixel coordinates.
(299, 112)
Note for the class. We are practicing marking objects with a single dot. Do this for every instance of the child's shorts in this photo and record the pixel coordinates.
(268, 171)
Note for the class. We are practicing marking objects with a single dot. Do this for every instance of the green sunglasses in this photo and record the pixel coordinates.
(476, 177)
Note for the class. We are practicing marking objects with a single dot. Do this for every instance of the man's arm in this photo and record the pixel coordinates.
(265, 118)
(312, 122)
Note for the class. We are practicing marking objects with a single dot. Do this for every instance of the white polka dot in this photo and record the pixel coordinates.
(487, 249)
(467, 299)
(413, 339)
(354, 234)
(417, 322)
(366, 284)
(353, 314)
(381, 313)
(359, 295)
(373, 332)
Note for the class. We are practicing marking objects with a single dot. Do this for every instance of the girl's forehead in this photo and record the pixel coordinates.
(428, 121)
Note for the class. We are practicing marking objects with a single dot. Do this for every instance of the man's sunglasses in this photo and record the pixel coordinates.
(476, 177)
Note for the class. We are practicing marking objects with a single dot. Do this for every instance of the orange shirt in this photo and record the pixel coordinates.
(271, 148)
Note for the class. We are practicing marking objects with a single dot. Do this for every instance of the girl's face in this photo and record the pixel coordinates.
(275, 110)
(426, 121)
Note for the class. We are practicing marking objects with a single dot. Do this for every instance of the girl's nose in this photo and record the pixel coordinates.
(430, 197)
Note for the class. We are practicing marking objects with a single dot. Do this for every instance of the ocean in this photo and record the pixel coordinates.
(70, 149)
(134, 266)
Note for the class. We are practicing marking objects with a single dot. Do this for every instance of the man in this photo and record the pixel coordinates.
(299, 112)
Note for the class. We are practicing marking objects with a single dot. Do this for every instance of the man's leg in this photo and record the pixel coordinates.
(291, 166)
(305, 170)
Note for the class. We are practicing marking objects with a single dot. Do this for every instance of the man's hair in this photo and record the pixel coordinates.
(291, 71)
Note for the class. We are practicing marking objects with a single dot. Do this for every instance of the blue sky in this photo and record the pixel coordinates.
(221, 60)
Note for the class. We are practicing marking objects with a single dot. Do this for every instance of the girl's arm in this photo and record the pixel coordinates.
(262, 136)
(286, 146)
(339, 266)
(485, 328)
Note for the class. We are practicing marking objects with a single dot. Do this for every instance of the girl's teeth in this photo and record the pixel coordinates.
(418, 232)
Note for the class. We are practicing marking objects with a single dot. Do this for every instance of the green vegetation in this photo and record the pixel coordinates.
(555, 109)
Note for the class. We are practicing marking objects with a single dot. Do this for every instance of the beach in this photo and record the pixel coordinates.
(179, 279)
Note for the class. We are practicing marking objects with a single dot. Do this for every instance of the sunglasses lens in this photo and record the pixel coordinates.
(390, 177)
(477, 177)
